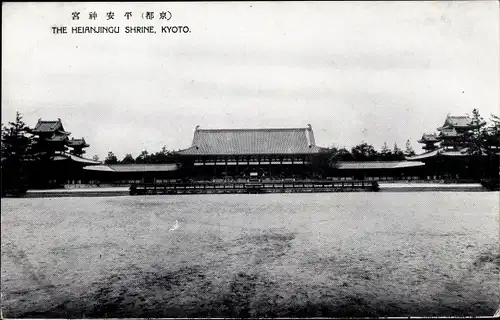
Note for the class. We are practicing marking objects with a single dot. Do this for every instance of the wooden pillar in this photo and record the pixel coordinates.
(237, 167)
(215, 167)
(281, 165)
(226, 166)
(202, 168)
(270, 166)
(248, 164)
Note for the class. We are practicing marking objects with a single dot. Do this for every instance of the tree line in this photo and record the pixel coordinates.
(482, 137)
(162, 156)
(25, 159)
(22, 153)
(360, 152)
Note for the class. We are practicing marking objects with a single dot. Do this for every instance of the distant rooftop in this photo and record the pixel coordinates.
(462, 152)
(133, 167)
(49, 127)
(252, 141)
(77, 143)
(366, 165)
(428, 137)
(456, 122)
(448, 133)
(66, 156)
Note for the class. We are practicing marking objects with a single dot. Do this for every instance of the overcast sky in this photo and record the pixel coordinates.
(356, 71)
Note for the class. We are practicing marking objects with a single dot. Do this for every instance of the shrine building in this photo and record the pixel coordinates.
(448, 155)
(65, 161)
(263, 153)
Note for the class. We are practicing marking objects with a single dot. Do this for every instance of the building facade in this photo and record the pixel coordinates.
(59, 159)
(249, 153)
(450, 154)
(50, 136)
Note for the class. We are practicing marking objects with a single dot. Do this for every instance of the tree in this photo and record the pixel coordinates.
(95, 157)
(159, 157)
(324, 162)
(476, 138)
(164, 155)
(496, 122)
(128, 159)
(15, 152)
(15, 139)
(397, 153)
(491, 135)
(385, 152)
(344, 155)
(164, 150)
(491, 143)
(477, 123)
(143, 157)
(409, 150)
(111, 158)
(363, 152)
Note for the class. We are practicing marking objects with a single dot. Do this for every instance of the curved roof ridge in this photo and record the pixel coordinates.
(255, 129)
(253, 141)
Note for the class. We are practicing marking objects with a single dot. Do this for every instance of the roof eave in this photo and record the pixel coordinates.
(246, 154)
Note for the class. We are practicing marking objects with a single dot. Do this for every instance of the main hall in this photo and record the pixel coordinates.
(265, 152)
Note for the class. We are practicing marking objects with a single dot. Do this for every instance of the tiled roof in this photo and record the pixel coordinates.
(49, 126)
(66, 156)
(57, 137)
(456, 121)
(59, 158)
(378, 165)
(133, 167)
(252, 141)
(424, 155)
(455, 153)
(428, 137)
(462, 152)
(83, 160)
(459, 121)
(448, 133)
(442, 151)
(77, 143)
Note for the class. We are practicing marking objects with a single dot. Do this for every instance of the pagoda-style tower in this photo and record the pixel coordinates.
(77, 146)
(461, 124)
(455, 130)
(429, 140)
(51, 135)
(450, 138)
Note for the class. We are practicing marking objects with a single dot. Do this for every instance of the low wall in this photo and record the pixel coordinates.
(422, 187)
(107, 191)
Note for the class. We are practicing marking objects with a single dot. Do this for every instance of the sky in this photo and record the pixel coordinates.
(356, 71)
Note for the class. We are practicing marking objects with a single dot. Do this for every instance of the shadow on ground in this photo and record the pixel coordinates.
(192, 292)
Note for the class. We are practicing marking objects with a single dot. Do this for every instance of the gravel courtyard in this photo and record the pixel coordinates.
(330, 254)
